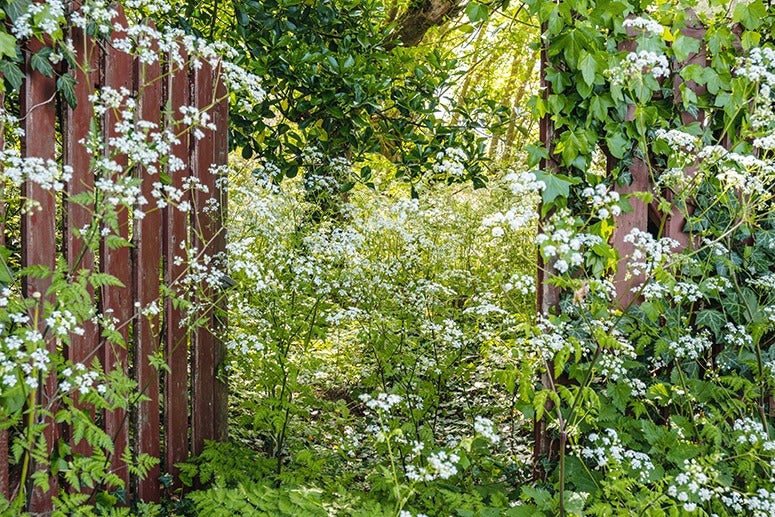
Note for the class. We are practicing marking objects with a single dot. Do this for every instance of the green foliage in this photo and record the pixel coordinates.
(653, 400)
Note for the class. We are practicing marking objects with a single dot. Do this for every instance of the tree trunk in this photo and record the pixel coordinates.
(415, 22)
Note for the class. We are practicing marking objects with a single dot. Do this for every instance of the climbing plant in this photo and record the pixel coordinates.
(656, 357)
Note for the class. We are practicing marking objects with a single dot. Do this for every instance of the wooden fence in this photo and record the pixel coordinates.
(187, 405)
(644, 216)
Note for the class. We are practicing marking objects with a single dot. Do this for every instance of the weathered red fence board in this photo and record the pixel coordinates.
(176, 409)
(203, 343)
(220, 389)
(76, 126)
(118, 72)
(191, 407)
(147, 268)
(40, 220)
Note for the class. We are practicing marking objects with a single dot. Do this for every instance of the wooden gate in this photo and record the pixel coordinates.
(187, 403)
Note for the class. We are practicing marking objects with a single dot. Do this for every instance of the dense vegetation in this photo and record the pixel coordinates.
(390, 206)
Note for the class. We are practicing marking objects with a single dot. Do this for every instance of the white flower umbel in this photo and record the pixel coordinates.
(486, 428)
(691, 345)
(605, 450)
(382, 402)
(639, 64)
(646, 25)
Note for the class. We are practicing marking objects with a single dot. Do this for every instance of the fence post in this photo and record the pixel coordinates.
(547, 295)
(220, 323)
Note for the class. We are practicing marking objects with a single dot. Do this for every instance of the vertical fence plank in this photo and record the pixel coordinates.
(76, 124)
(117, 73)
(203, 358)
(176, 423)
(547, 295)
(675, 222)
(638, 218)
(39, 229)
(221, 389)
(4, 484)
(147, 256)
(625, 223)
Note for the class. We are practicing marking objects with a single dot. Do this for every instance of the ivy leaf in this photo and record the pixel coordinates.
(40, 62)
(536, 153)
(16, 9)
(618, 144)
(66, 85)
(477, 12)
(599, 107)
(588, 67)
(557, 185)
(12, 74)
(750, 15)
(685, 46)
(7, 45)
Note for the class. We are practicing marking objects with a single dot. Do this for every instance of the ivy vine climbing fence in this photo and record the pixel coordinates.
(145, 331)
(691, 95)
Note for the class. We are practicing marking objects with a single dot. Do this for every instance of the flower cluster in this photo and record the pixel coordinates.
(750, 433)
(606, 451)
(561, 244)
(382, 402)
(522, 283)
(759, 67)
(604, 201)
(450, 163)
(486, 428)
(693, 486)
(523, 186)
(649, 253)
(47, 174)
(79, 378)
(439, 465)
(690, 345)
(646, 25)
(550, 338)
(637, 64)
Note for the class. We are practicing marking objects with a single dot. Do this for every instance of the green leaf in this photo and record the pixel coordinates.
(750, 15)
(617, 143)
(557, 185)
(12, 74)
(66, 85)
(16, 8)
(684, 46)
(7, 45)
(712, 319)
(536, 153)
(39, 61)
(477, 12)
(588, 67)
